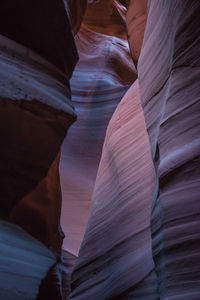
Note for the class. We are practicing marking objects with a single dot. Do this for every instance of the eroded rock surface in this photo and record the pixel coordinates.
(169, 79)
(169, 88)
(107, 17)
(37, 58)
(136, 17)
(101, 78)
(115, 260)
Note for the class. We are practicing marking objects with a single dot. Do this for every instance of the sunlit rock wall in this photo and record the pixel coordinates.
(169, 73)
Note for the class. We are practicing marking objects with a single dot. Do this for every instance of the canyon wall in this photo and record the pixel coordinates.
(130, 163)
(37, 58)
(115, 259)
(169, 79)
(111, 263)
(101, 78)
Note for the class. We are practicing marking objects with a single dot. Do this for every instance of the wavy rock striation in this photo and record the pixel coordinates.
(101, 78)
(115, 259)
(24, 263)
(169, 72)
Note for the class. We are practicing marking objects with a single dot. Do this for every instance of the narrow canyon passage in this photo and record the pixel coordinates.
(99, 156)
(97, 88)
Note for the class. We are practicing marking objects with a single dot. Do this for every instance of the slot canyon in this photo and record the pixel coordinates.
(100, 150)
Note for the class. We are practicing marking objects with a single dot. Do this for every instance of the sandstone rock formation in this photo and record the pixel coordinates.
(107, 17)
(37, 58)
(101, 78)
(112, 250)
(24, 263)
(115, 260)
(136, 22)
(142, 237)
(169, 79)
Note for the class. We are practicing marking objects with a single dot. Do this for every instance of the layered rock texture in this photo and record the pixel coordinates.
(130, 162)
(115, 260)
(169, 79)
(37, 58)
(101, 78)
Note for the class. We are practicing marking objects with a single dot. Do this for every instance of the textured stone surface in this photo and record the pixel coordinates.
(136, 21)
(101, 77)
(115, 260)
(169, 78)
(37, 57)
(31, 131)
(24, 262)
(107, 17)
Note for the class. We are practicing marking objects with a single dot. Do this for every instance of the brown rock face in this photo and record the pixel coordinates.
(107, 17)
(39, 211)
(136, 21)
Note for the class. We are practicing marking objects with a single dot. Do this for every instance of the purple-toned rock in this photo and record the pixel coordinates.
(115, 259)
(169, 72)
(101, 78)
(37, 58)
